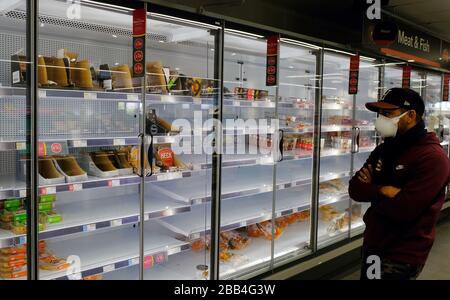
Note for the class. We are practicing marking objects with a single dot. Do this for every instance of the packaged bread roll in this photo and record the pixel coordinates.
(56, 71)
(82, 74)
(47, 168)
(155, 77)
(42, 71)
(121, 77)
(69, 165)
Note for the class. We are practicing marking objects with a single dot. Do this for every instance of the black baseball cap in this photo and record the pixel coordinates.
(396, 98)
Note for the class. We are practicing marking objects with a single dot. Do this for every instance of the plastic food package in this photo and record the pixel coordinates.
(21, 228)
(10, 264)
(52, 262)
(47, 168)
(155, 78)
(69, 165)
(47, 198)
(13, 257)
(235, 240)
(282, 222)
(198, 245)
(264, 229)
(81, 74)
(57, 70)
(42, 71)
(121, 77)
(13, 216)
(254, 231)
(93, 277)
(12, 204)
(225, 256)
(328, 212)
(14, 272)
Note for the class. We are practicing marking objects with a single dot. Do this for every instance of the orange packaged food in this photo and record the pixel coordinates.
(225, 256)
(254, 231)
(235, 240)
(291, 219)
(14, 274)
(266, 228)
(14, 250)
(13, 257)
(17, 263)
(93, 277)
(304, 215)
(198, 245)
(282, 222)
(52, 262)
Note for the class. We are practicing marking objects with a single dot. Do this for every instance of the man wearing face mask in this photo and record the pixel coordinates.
(404, 179)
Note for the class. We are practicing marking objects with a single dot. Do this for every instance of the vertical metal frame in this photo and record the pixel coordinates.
(216, 172)
(275, 151)
(143, 140)
(314, 219)
(32, 180)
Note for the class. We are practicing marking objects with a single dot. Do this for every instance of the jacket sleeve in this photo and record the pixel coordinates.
(365, 192)
(427, 181)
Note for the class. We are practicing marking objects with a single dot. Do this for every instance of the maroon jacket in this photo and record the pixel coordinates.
(403, 228)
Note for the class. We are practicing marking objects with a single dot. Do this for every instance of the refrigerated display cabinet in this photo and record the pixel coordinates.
(102, 216)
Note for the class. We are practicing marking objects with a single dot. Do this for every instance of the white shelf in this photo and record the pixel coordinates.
(95, 214)
(241, 212)
(183, 266)
(103, 252)
(238, 182)
(178, 267)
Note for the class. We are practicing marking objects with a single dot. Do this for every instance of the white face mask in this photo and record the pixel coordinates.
(387, 127)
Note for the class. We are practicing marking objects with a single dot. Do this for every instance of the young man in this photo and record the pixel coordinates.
(404, 179)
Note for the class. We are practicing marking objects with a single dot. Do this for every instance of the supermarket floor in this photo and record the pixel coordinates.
(438, 264)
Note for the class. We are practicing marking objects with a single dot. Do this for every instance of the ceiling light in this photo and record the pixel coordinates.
(233, 54)
(411, 60)
(291, 67)
(42, 24)
(116, 64)
(114, 36)
(161, 41)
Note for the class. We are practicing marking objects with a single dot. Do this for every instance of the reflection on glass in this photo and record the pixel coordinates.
(296, 114)
(13, 145)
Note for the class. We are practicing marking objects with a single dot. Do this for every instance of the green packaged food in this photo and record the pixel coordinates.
(45, 207)
(13, 203)
(13, 208)
(54, 218)
(47, 198)
(19, 216)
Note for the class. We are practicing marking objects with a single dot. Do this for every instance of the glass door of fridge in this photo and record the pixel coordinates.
(335, 153)
(89, 112)
(365, 134)
(296, 108)
(433, 105)
(393, 78)
(247, 160)
(181, 91)
(15, 135)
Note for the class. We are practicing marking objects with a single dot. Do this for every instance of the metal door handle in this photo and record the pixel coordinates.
(355, 142)
(281, 134)
(150, 156)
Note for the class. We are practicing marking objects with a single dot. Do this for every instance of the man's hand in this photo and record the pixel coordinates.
(365, 174)
(389, 191)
